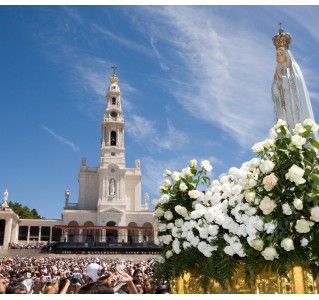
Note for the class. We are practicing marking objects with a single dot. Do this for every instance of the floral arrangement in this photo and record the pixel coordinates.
(262, 215)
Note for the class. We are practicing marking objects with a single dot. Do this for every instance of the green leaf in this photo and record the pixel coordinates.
(314, 143)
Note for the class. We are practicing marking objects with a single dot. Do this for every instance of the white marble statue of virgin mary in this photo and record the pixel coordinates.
(289, 91)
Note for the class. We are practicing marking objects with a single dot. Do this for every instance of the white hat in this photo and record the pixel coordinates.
(92, 270)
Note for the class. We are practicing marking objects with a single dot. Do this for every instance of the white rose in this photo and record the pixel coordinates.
(255, 162)
(268, 143)
(270, 227)
(312, 124)
(186, 172)
(258, 147)
(252, 182)
(162, 227)
(272, 134)
(205, 164)
(167, 183)
(298, 204)
(170, 226)
(167, 173)
(183, 187)
(163, 189)
(175, 176)
(166, 239)
(160, 259)
(286, 209)
(269, 253)
(258, 244)
(299, 129)
(304, 242)
(249, 196)
(194, 194)
(315, 214)
(295, 175)
(267, 205)
(179, 222)
(181, 210)
(168, 215)
(298, 141)
(287, 244)
(164, 198)
(303, 226)
(279, 123)
(169, 254)
(270, 182)
(155, 202)
(193, 163)
(159, 212)
(266, 166)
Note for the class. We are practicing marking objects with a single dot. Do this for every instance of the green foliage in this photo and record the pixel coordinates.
(24, 212)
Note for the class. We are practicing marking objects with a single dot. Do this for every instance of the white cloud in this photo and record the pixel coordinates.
(172, 139)
(62, 140)
(161, 61)
(224, 76)
(139, 127)
(121, 40)
(142, 129)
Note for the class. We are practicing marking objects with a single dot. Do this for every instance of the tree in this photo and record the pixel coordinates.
(24, 212)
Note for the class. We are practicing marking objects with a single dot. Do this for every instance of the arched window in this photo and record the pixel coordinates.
(113, 138)
(111, 234)
(132, 235)
(88, 234)
(113, 101)
(73, 234)
(148, 234)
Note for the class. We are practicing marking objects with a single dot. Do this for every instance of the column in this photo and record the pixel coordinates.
(39, 237)
(28, 235)
(7, 233)
(50, 238)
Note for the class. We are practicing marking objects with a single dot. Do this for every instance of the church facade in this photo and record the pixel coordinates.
(109, 207)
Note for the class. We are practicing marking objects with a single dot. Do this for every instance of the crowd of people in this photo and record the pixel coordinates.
(36, 245)
(78, 275)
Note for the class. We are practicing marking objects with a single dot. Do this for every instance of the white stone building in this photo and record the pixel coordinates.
(109, 207)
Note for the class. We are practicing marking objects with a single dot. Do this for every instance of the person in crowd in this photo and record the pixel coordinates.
(138, 275)
(16, 287)
(148, 286)
(162, 289)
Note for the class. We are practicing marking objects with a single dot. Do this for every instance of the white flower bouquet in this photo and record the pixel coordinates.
(264, 214)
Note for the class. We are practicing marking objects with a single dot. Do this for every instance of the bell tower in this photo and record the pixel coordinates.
(112, 127)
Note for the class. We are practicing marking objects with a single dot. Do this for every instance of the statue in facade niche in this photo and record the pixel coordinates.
(112, 187)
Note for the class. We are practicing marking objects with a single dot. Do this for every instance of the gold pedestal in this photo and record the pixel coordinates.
(298, 281)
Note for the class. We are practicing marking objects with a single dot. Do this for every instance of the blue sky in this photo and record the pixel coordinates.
(195, 83)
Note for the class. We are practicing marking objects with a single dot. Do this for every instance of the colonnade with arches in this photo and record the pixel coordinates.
(110, 233)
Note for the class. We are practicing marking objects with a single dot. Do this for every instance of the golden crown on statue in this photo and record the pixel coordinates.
(282, 39)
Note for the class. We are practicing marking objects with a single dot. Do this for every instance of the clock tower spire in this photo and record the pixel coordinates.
(112, 127)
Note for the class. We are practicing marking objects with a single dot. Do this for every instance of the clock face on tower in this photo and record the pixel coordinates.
(113, 114)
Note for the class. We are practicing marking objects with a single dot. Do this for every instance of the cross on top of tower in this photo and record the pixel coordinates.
(114, 78)
(114, 67)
